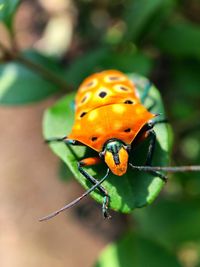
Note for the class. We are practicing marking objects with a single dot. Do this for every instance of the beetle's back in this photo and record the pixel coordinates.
(108, 106)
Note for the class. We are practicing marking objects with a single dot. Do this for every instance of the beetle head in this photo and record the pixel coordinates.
(115, 154)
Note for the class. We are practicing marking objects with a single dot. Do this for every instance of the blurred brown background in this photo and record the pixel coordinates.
(30, 187)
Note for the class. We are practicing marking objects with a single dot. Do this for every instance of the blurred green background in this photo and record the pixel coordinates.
(46, 49)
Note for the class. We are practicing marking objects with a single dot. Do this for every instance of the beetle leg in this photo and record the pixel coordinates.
(106, 199)
(74, 202)
(152, 123)
(152, 135)
(62, 139)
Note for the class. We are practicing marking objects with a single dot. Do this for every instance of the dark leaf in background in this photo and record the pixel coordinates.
(20, 85)
(7, 11)
(140, 14)
(104, 58)
(186, 78)
(129, 62)
(181, 39)
(85, 65)
(135, 250)
(170, 222)
(184, 86)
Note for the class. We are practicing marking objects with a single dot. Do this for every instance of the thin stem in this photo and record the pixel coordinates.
(44, 72)
(172, 169)
(47, 74)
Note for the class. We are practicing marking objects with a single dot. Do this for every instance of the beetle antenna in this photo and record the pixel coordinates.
(74, 202)
(172, 169)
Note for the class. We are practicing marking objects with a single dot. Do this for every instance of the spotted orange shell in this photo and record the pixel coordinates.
(107, 106)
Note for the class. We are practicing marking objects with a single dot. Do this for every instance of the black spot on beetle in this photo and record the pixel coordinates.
(127, 130)
(94, 138)
(128, 102)
(102, 94)
(83, 114)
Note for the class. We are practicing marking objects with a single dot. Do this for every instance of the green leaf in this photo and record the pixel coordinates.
(136, 251)
(170, 222)
(104, 58)
(186, 78)
(7, 11)
(20, 85)
(180, 39)
(134, 189)
(139, 15)
(84, 65)
(128, 62)
(64, 172)
(184, 83)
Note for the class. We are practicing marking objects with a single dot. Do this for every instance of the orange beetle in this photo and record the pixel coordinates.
(109, 116)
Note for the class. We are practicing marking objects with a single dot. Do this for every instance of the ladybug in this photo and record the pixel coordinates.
(109, 117)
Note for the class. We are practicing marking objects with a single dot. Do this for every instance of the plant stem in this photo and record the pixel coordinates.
(47, 74)
(44, 72)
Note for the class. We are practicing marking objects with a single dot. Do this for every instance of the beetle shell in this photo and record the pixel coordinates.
(108, 106)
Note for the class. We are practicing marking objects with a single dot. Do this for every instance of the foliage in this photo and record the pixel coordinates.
(159, 39)
(21, 85)
(136, 250)
(7, 11)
